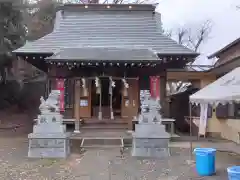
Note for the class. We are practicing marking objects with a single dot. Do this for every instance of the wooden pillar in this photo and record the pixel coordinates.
(77, 106)
(100, 106)
(111, 98)
(111, 107)
(163, 100)
(47, 88)
(99, 89)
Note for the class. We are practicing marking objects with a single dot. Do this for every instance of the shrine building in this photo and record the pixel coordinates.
(101, 55)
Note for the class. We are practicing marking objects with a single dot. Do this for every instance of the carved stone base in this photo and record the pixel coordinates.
(147, 147)
(150, 140)
(49, 145)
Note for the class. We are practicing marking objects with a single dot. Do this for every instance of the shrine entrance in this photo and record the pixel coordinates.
(106, 99)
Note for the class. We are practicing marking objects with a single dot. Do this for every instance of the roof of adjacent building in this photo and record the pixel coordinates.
(105, 53)
(225, 48)
(104, 25)
(194, 68)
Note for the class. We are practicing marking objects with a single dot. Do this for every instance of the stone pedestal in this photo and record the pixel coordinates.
(150, 140)
(55, 145)
(49, 138)
(49, 122)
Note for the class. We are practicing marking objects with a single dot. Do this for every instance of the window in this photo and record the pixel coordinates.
(222, 111)
(237, 110)
(228, 111)
(196, 111)
(231, 110)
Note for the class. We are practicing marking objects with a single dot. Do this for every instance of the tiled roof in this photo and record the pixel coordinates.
(105, 53)
(194, 68)
(95, 26)
(224, 48)
(198, 68)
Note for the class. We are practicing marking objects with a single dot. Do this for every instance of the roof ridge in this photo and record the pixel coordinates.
(108, 7)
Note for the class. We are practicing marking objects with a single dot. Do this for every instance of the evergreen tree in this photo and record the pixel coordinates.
(12, 33)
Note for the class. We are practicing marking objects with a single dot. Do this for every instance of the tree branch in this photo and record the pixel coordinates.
(181, 33)
(195, 41)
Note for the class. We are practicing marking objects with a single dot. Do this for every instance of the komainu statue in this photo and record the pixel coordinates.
(51, 104)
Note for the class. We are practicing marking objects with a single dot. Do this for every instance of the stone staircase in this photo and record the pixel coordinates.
(105, 124)
(102, 142)
(103, 134)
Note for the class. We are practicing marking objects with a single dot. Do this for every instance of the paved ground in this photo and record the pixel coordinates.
(101, 165)
(219, 145)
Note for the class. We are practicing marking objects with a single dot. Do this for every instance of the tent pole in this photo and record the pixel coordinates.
(191, 141)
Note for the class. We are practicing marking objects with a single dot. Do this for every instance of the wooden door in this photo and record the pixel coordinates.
(130, 104)
(84, 102)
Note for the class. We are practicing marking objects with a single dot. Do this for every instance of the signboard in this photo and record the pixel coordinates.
(83, 102)
(60, 86)
(155, 86)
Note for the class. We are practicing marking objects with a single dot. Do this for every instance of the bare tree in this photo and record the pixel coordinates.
(167, 33)
(192, 38)
(198, 37)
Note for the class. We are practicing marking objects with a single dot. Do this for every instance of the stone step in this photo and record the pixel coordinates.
(102, 146)
(105, 121)
(104, 126)
(102, 142)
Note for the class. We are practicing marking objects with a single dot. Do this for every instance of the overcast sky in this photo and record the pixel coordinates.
(223, 14)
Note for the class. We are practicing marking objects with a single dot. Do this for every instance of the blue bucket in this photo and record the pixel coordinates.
(234, 173)
(205, 161)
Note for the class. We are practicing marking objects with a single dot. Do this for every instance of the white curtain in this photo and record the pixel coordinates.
(203, 119)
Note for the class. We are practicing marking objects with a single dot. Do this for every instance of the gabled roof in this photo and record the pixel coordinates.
(224, 48)
(107, 26)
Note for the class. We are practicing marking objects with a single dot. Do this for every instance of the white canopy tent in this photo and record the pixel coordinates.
(224, 90)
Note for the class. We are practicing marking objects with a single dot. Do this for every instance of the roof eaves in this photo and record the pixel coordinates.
(191, 54)
(224, 64)
(224, 48)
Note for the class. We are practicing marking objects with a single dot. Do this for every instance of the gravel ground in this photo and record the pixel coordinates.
(99, 164)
